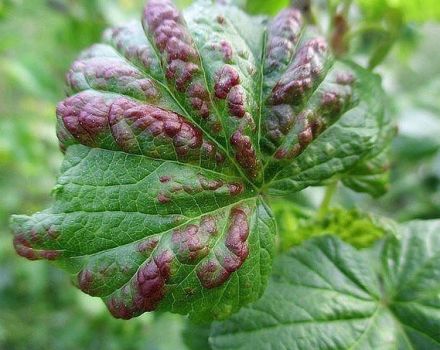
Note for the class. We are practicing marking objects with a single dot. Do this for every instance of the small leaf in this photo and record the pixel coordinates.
(327, 295)
(352, 226)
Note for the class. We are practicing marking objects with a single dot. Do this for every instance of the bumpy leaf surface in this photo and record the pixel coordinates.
(173, 129)
(327, 295)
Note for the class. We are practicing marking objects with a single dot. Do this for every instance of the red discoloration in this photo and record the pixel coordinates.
(345, 78)
(245, 153)
(226, 78)
(334, 101)
(165, 179)
(230, 262)
(283, 34)
(214, 271)
(163, 198)
(150, 281)
(24, 248)
(182, 73)
(85, 280)
(226, 49)
(85, 117)
(208, 184)
(148, 245)
(279, 122)
(235, 189)
(111, 74)
(280, 153)
(192, 242)
(117, 305)
(34, 236)
(305, 136)
(236, 101)
(307, 127)
(49, 254)
(299, 79)
(182, 63)
(237, 234)
(122, 39)
(199, 99)
(211, 274)
(209, 150)
(156, 121)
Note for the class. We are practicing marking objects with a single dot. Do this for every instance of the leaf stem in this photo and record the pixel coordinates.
(328, 195)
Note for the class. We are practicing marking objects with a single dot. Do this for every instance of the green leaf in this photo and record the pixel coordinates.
(266, 7)
(412, 10)
(355, 227)
(350, 140)
(328, 295)
(195, 336)
(173, 129)
(371, 175)
(143, 234)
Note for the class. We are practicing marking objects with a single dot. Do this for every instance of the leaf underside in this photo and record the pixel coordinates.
(173, 129)
(327, 295)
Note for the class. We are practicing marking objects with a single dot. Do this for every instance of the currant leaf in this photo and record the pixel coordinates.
(173, 130)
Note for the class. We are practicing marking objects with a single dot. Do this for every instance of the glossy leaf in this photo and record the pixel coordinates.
(327, 295)
(173, 129)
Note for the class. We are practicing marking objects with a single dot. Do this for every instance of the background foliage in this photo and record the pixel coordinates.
(38, 41)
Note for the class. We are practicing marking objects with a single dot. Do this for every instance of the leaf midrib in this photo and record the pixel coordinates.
(160, 233)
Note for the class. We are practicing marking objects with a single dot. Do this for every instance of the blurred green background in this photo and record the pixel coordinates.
(40, 38)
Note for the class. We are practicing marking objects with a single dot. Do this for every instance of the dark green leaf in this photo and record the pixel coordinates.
(327, 295)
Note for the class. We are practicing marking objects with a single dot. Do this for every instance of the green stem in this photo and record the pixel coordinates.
(364, 28)
(328, 195)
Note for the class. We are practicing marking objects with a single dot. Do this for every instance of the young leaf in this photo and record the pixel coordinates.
(173, 130)
(327, 295)
(355, 227)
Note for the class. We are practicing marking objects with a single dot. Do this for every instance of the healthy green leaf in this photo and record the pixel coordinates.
(327, 295)
(173, 130)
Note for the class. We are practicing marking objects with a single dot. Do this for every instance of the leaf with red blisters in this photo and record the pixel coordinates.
(173, 129)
